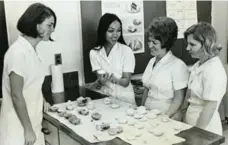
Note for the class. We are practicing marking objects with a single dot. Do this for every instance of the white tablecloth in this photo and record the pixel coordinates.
(87, 128)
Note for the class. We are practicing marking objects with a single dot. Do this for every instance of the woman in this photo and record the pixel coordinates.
(22, 105)
(207, 82)
(115, 58)
(166, 76)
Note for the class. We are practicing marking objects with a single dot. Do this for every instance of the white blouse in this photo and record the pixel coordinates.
(168, 75)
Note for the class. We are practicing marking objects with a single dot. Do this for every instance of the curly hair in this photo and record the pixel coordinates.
(165, 30)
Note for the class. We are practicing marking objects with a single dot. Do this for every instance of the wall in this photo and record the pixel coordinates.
(67, 34)
(219, 21)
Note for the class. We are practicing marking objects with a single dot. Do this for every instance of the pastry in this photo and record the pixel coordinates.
(90, 106)
(83, 112)
(103, 127)
(67, 115)
(61, 114)
(151, 116)
(130, 112)
(60, 110)
(81, 101)
(122, 121)
(101, 72)
(158, 132)
(130, 137)
(165, 118)
(143, 119)
(96, 116)
(107, 101)
(74, 120)
(138, 116)
(114, 131)
(141, 110)
(139, 125)
(115, 106)
(70, 107)
(53, 109)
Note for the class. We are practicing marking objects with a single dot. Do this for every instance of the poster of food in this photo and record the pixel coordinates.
(131, 15)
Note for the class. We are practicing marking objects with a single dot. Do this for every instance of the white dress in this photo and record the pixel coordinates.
(206, 82)
(168, 75)
(121, 59)
(22, 59)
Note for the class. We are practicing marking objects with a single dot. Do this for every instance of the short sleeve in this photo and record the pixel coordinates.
(180, 75)
(214, 85)
(15, 62)
(94, 60)
(147, 72)
(129, 61)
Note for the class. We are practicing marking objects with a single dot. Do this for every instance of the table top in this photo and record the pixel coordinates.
(193, 136)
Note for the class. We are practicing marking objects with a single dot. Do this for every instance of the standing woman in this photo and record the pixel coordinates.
(23, 76)
(115, 58)
(166, 76)
(207, 82)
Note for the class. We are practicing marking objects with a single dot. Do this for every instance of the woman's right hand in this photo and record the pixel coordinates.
(30, 136)
(103, 79)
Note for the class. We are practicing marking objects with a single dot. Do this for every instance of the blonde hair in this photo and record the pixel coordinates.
(206, 35)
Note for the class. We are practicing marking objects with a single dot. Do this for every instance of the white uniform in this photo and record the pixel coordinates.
(22, 59)
(121, 59)
(206, 82)
(168, 75)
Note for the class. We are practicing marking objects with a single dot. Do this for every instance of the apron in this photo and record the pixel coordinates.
(11, 129)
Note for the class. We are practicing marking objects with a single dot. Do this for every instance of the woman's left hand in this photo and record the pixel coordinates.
(46, 106)
(113, 79)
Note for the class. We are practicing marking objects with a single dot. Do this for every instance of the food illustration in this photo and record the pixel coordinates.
(133, 8)
(137, 22)
(96, 116)
(131, 29)
(83, 112)
(135, 44)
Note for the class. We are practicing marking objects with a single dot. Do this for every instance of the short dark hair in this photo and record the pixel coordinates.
(103, 26)
(165, 30)
(35, 14)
